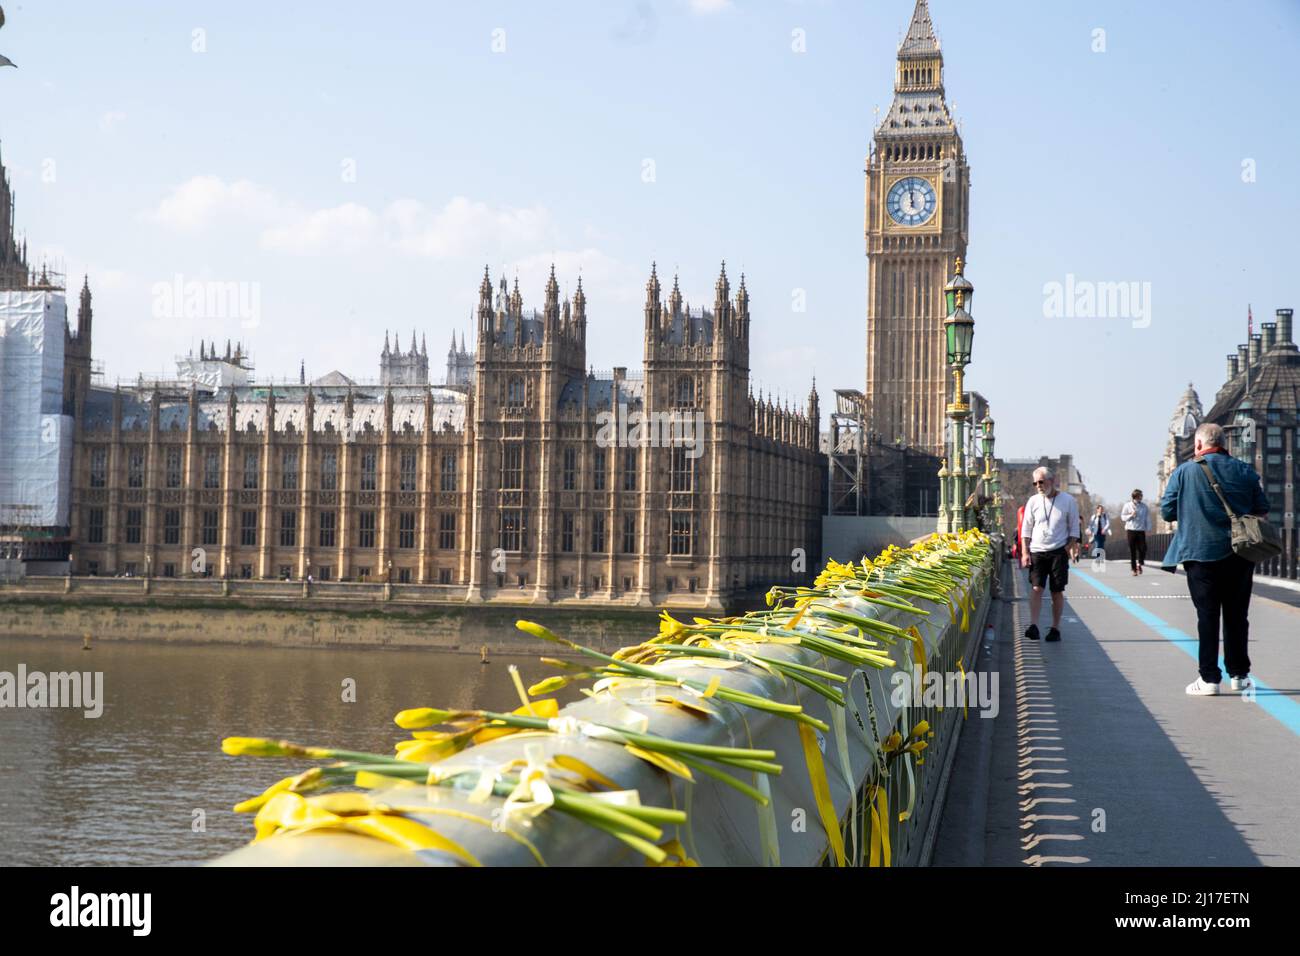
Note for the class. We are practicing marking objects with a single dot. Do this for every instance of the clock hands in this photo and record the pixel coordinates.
(904, 198)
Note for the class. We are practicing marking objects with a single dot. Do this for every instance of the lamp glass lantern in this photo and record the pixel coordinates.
(959, 333)
(958, 287)
(986, 437)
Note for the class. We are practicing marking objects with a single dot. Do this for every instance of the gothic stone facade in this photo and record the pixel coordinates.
(532, 483)
(1262, 388)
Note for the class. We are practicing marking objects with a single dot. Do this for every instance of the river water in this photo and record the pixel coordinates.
(124, 788)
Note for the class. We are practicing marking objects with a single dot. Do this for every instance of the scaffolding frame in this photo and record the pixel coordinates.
(847, 475)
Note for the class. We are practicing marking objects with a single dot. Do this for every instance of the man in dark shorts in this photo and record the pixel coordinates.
(1049, 539)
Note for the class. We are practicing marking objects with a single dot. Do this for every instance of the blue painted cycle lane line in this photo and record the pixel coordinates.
(1274, 702)
(1099, 758)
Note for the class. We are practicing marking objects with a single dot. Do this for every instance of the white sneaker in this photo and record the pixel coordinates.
(1199, 688)
(1243, 683)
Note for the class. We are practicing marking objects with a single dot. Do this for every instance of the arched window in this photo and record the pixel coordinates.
(685, 392)
(515, 391)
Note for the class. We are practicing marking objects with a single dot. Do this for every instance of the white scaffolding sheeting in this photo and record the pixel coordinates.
(35, 435)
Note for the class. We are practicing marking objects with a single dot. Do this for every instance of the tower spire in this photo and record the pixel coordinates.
(653, 308)
(919, 70)
(920, 38)
(85, 313)
(580, 303)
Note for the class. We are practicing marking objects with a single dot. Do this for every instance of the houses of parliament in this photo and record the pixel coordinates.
(499, 483)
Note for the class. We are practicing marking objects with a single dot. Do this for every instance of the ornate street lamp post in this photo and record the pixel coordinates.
(943, 495)
(959, 332)
(995, 486)
(986, 446)
(970, 513)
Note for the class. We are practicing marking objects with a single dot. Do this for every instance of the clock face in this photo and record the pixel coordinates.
(911, 201)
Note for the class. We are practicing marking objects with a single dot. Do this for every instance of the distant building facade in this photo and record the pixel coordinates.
(524, 476)
(1018, 484)
(1187, 417)
(45, 371)
(396, 368)
(460, 362)
(1257, 405)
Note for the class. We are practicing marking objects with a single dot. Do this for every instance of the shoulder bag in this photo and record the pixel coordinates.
(1253, 537)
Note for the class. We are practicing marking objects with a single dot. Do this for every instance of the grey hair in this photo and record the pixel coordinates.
(1047, 472)
(1210, 435)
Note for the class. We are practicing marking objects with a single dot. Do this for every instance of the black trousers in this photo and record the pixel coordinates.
(1137, 548)
(1221, 588)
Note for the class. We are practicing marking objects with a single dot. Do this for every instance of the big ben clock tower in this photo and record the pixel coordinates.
(918, 187)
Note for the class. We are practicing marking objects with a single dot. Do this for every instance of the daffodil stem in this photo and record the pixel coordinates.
(723, 777)
(644, 847)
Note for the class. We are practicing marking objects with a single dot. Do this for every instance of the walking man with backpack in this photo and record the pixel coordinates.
(1049, 539)
(1207, 496)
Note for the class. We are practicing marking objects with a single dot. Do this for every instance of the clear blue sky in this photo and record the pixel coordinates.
(227, 165)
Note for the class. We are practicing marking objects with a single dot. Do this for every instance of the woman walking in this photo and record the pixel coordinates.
(1099, 528)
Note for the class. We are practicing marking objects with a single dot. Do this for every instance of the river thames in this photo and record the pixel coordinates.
(124, 788)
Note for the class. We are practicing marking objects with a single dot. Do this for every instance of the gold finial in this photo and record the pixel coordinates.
(959, 298)
(959, 265)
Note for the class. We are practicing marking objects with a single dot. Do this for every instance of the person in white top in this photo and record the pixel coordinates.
(1137, 522)
(1050, 538)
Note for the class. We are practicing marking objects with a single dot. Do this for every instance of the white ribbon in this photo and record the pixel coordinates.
(568, 726)
(533, 795)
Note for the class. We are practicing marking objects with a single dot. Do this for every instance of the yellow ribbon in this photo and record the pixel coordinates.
(880, 829)
(676, 855)
(918, 649)
(821, 791)
(291, 814)
(964, 708)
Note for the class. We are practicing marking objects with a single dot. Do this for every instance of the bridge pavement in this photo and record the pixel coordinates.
(1098, 757)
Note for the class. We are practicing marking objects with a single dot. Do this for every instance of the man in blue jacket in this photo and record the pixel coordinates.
(1219, 580)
